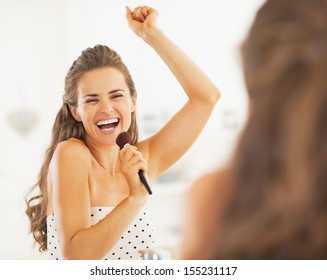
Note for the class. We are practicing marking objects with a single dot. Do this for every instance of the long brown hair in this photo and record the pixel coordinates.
(278, 208)
(65, 127)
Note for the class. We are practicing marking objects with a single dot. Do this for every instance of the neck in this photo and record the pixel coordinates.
(106, 156)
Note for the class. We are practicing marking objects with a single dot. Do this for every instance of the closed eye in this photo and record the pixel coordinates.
(91, 100)
(116, 95)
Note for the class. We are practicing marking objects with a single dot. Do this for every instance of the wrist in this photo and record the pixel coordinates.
(151, 35)
(137, 199)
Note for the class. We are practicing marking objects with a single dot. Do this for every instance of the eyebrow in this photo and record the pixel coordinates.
(110, 92)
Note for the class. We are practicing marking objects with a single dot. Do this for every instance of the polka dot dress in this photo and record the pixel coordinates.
(138, 236)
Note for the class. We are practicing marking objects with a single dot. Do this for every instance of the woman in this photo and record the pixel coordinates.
(271, 202)
(92, 203)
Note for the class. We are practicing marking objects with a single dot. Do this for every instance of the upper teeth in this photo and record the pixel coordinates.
(107, 121)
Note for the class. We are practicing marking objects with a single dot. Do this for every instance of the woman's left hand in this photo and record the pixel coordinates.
(141, 20)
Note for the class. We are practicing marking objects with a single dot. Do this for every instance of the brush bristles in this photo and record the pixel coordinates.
(123, 138)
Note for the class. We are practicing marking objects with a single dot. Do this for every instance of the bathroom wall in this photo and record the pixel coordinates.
(39, 41)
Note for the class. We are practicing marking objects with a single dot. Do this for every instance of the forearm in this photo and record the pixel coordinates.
(193, 80)
(97, 240)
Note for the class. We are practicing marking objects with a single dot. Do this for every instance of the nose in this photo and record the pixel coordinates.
(105, 106)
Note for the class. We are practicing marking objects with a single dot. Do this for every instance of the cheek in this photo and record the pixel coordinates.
(127, 107)
(86, 114)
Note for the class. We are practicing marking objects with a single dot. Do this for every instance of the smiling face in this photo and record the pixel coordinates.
(104, 105)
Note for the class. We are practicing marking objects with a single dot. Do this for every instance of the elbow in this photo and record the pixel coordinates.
(70, 252)
(208, 100)
(79, 255)
(68, 256)
(83, 251)
(211, 99)
(216, 94)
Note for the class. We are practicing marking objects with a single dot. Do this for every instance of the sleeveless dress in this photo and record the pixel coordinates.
(138, 236)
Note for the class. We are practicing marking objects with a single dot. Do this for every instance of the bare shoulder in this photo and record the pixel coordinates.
(73, 149)
(72, 144)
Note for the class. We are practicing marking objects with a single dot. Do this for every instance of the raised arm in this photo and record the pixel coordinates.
(175, 138)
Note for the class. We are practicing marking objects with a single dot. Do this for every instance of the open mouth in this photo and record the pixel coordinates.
(107, 125)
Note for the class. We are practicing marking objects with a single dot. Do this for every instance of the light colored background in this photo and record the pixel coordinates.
(39, 41)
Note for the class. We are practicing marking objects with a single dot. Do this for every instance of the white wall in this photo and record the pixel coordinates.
(39, 41)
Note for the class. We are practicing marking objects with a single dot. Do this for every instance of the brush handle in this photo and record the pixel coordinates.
(144, 181)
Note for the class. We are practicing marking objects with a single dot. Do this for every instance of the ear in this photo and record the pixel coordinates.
(134, 99)
(74, 112)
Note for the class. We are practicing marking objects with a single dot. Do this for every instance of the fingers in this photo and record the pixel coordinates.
(140, 13)
(132, 160)
(129, 14)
